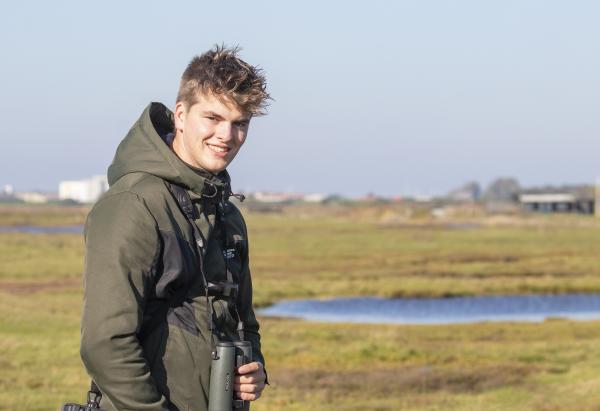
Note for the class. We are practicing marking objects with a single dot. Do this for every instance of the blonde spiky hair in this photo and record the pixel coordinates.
(222, 73)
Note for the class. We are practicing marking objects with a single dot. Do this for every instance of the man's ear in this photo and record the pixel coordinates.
(179, 115)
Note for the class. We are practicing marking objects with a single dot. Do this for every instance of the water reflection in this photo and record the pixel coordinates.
(441, 310)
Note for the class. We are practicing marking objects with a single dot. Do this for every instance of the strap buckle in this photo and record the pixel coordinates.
(224, 288)
(93, 399)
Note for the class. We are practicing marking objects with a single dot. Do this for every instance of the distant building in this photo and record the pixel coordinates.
(314, 198)
(83, 191)
(7, 194)
(32, 197)
(267, 197)
(577, 200)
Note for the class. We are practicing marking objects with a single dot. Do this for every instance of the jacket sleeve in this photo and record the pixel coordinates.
(122, 244)
(246, 309)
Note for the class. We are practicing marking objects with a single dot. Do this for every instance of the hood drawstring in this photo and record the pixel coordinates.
(240, 197)
(226, 192)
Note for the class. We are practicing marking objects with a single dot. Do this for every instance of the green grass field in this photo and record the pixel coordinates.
(549, 366)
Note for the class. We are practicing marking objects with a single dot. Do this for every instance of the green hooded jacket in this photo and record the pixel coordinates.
(145, 334)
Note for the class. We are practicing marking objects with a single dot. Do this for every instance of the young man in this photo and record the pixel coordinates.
(166, 269)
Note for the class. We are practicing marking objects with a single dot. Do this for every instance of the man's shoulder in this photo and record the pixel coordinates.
(133, 193)
(235, 217)
(148, 188)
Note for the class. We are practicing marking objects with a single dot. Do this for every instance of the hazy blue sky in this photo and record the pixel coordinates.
(392, 97)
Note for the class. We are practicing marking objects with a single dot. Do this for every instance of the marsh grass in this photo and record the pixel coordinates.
(42, 215)
(551, 366)
(38, 259)
(457, 367)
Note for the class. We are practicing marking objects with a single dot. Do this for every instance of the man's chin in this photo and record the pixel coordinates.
(216, 169)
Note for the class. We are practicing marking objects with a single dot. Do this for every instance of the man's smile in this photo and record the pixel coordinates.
(218, 149)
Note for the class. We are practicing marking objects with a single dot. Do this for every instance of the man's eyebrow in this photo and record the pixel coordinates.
(209, 113)
(212, 114)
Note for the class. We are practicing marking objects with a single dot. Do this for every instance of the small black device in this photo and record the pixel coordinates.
(93, 401)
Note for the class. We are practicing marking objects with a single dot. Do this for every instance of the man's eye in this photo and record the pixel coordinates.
(211, 118)
(242, 124)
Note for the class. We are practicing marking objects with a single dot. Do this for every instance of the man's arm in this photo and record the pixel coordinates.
(122, 244)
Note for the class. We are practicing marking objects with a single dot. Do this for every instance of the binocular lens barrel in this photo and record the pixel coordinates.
(243, 355)
(230, 355)
(222, 373)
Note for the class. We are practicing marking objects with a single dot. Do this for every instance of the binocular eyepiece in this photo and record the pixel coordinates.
(226, 358)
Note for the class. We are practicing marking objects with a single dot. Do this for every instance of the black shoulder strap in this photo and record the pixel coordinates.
(183, 199)
(226, 288)
(187, 208)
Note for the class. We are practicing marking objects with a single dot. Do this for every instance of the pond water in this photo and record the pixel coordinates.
(440, 310)
(35, 229)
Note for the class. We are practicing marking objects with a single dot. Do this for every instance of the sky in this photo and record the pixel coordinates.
(386, 97)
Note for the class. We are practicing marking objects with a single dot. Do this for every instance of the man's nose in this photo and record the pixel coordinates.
(224, 131)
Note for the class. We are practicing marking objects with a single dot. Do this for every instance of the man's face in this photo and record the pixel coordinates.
(210, 133)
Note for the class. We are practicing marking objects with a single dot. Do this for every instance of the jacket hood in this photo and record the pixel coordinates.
(144, 150)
